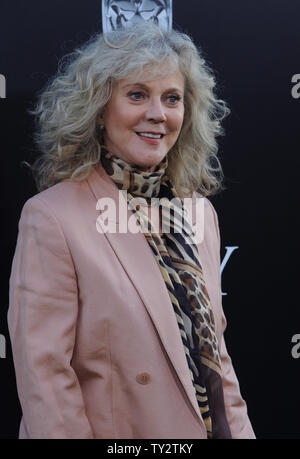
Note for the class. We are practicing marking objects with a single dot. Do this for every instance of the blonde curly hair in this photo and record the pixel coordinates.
(67, 131)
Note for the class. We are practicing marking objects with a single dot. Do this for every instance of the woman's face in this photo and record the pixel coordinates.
(143, 119)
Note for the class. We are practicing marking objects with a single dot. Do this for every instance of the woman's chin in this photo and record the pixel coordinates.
(147, 166)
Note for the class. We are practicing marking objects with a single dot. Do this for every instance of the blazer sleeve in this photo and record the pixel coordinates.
(42, 315)
(235, 406)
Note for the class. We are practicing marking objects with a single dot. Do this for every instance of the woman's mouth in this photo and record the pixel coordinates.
(150, 137)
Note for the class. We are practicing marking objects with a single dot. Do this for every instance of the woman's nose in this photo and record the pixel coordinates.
(156, 111)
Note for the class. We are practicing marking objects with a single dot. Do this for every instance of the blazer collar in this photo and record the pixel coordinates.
(138, 263)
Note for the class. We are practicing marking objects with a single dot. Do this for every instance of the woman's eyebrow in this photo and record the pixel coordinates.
(144, 86)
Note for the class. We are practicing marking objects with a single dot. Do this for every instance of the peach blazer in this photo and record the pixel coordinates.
(96, 345)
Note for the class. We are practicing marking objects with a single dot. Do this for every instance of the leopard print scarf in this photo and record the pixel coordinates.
(178, 260)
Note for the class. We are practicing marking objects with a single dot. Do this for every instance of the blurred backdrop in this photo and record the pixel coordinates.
(253, 48)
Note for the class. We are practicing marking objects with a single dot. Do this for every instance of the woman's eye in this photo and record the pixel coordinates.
(173, 99)
(137, 95)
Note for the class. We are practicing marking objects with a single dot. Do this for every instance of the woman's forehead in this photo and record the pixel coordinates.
(153, 71)
(174, 79)
(156, 75)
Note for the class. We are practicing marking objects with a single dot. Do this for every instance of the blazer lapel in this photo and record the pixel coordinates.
(137, 259)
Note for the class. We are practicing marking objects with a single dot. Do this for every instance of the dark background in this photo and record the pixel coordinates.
(253, 47)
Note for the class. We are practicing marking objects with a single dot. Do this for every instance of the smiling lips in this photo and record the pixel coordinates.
(152, 135)
(153, 138)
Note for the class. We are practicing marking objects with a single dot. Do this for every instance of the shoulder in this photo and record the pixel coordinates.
(60, 194)
(59, 200)
(211, 220)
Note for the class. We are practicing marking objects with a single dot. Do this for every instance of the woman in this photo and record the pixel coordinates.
(118, 333)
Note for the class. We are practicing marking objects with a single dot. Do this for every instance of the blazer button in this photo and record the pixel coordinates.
(143, 378)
